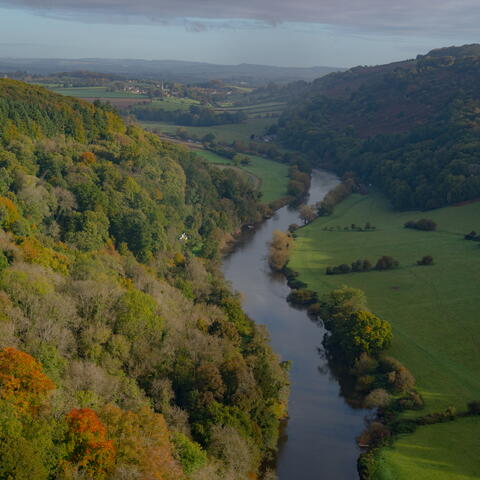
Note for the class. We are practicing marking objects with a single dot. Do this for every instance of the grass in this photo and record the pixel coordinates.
(434, 310)
(223, 133)
(94, 92)
(173, 103)
(273, 176)
(433, 453)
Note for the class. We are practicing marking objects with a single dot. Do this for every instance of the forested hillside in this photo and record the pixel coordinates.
(123, 354)
(411, 128)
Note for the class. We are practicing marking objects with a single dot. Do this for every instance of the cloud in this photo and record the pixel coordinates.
(393, 16)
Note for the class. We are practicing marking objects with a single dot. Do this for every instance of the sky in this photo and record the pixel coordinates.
(341, 33)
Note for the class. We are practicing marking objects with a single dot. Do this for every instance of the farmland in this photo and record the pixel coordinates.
(433, 311)
(95, 92)
(223, 133)
(272, 175)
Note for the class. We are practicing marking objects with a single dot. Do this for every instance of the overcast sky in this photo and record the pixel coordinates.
(274, 32)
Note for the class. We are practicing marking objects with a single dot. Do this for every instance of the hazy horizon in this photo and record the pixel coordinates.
(342, 33)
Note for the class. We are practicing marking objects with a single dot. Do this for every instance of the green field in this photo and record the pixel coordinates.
(257, 109)
(435, 311)
(223, 133)
(441, 451)
(94, 92)
(273, 176)
(173, 103)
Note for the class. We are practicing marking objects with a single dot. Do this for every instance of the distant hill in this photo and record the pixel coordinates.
(409, 127)
(170, 70)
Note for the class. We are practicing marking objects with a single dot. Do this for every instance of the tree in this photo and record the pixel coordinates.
(88, 449)
(307, 213)
(386, 263)
(360, 332)
(279, 250)
(22, 381)
(142, 444)
(189, 453)
(208, 138)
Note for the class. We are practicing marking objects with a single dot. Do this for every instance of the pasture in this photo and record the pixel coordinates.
(94, 92)
(272, 176)
(223, 133)
(434, 311)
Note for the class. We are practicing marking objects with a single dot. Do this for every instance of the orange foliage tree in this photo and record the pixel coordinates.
(89, 450)
(89, 158)
(8, 212)
(142, 440)
(22, 381)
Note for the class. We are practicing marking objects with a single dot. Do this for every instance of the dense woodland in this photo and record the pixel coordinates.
(410, 128)
(123, 354)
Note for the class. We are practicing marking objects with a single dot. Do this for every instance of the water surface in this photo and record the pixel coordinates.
(319, 438)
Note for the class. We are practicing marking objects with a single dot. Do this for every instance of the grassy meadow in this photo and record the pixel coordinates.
(272, 176)
(434, 310)
(223, 133)
(94, 92)
(174, 103)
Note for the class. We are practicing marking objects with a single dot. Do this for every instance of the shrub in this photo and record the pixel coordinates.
(315, 309)
(364, 383)
(364, 364)
(426, 260)
(386, 263)
(303, 297)
(472, 236)
(412, 401)
(474, 407)
(375, 435)
(344, 268)
(377, 398)
(425, 224)
(399, 377)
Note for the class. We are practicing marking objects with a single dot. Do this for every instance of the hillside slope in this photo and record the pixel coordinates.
(123, 354)
(410, 127)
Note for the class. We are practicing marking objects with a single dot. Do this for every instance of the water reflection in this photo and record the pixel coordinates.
(318, 441)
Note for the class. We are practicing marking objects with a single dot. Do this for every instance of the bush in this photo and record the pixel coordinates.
(386, 263)
(376, 435)
(364, 364)
(472, 236)
(398, 376)
(425, 224)
(412, 401)
(474, 407)
(303, 297)
(426, 260)
(377, 398)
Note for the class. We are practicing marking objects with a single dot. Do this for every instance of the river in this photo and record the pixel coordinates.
(319, 438)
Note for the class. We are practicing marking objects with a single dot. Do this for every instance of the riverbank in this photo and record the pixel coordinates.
(319, 438)
(433, 310)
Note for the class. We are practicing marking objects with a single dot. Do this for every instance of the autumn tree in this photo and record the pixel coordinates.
(307, 213)
(22, 381)
(142, 445)
(279, 250)
(89, 451)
